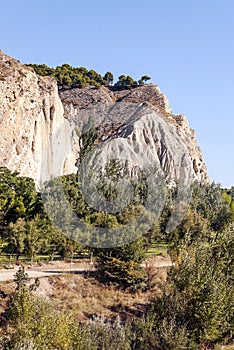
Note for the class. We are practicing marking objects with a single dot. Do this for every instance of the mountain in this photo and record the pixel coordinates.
(46, 133)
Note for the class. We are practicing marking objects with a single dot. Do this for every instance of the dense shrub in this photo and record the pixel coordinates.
(79, 77)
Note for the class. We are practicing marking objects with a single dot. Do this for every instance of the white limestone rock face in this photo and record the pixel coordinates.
(36, 140)
(39, 127)
(135, 124)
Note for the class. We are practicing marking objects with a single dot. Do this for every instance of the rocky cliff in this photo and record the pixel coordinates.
(41, 130)
(136, 124)
(36, 140)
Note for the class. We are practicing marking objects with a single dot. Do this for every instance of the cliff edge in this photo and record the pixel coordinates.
(41, 128)
(36, 140)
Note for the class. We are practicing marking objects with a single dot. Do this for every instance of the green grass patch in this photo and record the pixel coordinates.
(160, 249)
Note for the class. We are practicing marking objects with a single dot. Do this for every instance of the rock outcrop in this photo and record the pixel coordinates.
(41, 129)
(36, 140)
(139, 119)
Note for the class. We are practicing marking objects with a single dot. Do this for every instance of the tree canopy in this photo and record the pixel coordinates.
(79, 77)
(196, 304)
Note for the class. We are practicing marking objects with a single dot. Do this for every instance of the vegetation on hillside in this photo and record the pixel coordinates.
(196, 306)
(79, 77)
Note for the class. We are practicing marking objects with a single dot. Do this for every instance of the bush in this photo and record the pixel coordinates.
(123, 265)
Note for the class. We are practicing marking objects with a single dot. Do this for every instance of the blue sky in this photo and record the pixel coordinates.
(187, 47)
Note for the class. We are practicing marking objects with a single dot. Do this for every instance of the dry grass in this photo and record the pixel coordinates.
(6, 289)
(85, 296)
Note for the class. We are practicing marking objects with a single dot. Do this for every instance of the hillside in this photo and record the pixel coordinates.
(132, 243)
(42, 130)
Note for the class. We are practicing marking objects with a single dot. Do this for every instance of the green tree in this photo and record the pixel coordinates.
(33, 238)
(125, 82)
(123, 265)
(102, 219)
(143, 79)
(95, 78)
(18, 197)
(79, 77)
(15, 238)
(208, 201)
(42, 69)
(198, 295)
(192, 227)
(108, 78)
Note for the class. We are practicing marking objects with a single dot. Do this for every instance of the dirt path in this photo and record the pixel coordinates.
(58, 267)
(46, 270)
(8, 275)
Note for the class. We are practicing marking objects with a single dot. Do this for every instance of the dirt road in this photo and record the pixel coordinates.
(58, 267)
(46, 270)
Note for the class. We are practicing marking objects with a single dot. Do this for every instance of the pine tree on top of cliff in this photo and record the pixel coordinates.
(109, 78)
(79, 77)
(126, 82)
(143, 80)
